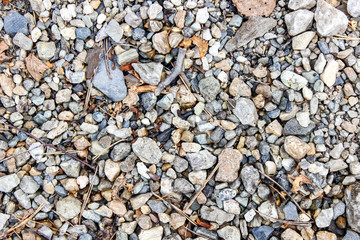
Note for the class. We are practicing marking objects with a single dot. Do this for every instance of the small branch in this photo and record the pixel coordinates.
(49, 145)
(178, 68)
(87, 195)
(297, 223)
(202, 186)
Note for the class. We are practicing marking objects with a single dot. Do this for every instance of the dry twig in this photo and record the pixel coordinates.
(296, 223)
(17, 154)
(87, 195)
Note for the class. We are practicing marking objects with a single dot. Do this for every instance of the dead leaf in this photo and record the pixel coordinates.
(92, 60)
(127, 66)
(6, 2)
(255, 7)
(201, 44)
(4, 58)
(204, 224)
(3, 46)
(131, 97)
(35, 67)
(186, 43)
(146, 88)
(299, 180)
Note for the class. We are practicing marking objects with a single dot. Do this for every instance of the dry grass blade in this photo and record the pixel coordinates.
(58, 152)
(107, 149)
(17, 154)
(87, 99)
(346, 38)
(176, 208)
(202, 186)
(296, 223)
(277, 184)
(87, 195)
(22, 223)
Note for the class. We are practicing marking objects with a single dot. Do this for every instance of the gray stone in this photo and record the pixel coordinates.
(29, 185)
(209, 88)
(350, 235)
(292, 127)
(250, 178)
(201, 160)
(301, 41)
(149, 72)
(268, 208)
(262, 232)
(22, 198)
(298, 4)
(229, 232)
(298, 21)
(23, 41)
(114, 30)
(324, 218)
(69, 207)
(46, 232)
(75, 77)
(293, 80)
(181, 185)
(71, 168)
(352, 201)
(154, 233)
(147, 150)
(132, 19)
(255, 27)
(329, 20)
(353, 8)
(166, 101)
(157, 206)
(215, 214)
(3, 220)
(9, 182)
(91, 215)
(82, 33)
(180, 164)
(14, 23)
(46, 50)
(290, 211)
(339, 209)
(113, 87)
(245, 111)
(127, 56)
(139, 200)
(120, 151)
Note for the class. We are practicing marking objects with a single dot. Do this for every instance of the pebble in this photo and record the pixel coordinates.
(114, 30)
(46, 50)
(293, 80)
(329, 20)
(15, 23)
(149, 72)
(215, 214)
(9, 182)
(154, 233)
(295, 147)
(301, 4)
(230, 165)
(290, 211)
(290, 234)
(352, 205)
(323, 220)
(82, 33)
(229, 232)
(201, 160)
(262, 232)
(23, 41)
(29, 185)
(161, 42)
(69, 207)
(202, 15)
(239, 88)
(147, 150)
(301, 41)
(330, 73)
(245, 111)
(3, 220)
(209, 88)
(298, 21)
(353, 8)
(250, 178)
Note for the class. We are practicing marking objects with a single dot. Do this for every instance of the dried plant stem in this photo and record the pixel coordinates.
(49, 145)
(62, 217)
(297, 223)
(87, 99)
(302, 210)
(107, 149)
(202, 186)
(178, 68)
(17, 154)
(87, 195)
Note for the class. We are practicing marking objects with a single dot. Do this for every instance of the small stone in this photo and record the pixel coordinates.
(144, 222)
(66, 116)
(15, 23)
(230, 164)
(329, 20)
(149, 72)
(245, 111)
(111, 170)
(274, 128)
(290, 234)
(154, 233)
(114, 30)
(182, 185)
(350, 235)
(352, 196)
(330, 73)
(250, 178)
(239, 88)
(89, 128)
(209, 88)
(262, 232)
(29, 185)
(325, 235)
(46, 50)
(46, 232)
(301, 41)
(303, 118)
(229, 232)
(23, 41)
(179, 18)
(201, 160)
(147, 150)
(82, 33)
(118, 207)
(8, 182)
(68, 33)
(353, 8)
(177, 220)
(214, 214)
(132, 19)
(161, 42)
(154, 10)
(69, 207)
(7, 85)
(157, 206)
(202, 15)
(268, 208)
(290, 211)
(120, 151)
(298, 21)
(295, 147)
(298, 4)
(3, 220)
(175, 39)
(293, 80)
(324, 218)
(82, 143)
(293, 127)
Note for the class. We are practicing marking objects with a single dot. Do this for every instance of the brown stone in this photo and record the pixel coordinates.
(239, 88)
(274, 128)
(255, 7)
(82, 143)
(230, 160)
(161, 42)
(66, 116)
(7, 85)
(295, 147)
(118, 207)
(179, 18)
(325, 235)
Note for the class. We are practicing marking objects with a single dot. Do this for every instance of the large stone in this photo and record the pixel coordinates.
(230, 160)
(209, 88)
(68, 207)
(329, 20)
(352, 201)
(295, 147)
(298, 21)
(330, 72)
(154, 233)
(147, 150)
(229, 232)
(113, 87)
(293, 80)
(9, 182)
(215, 214)
(304, 4)
(250, 178)
(245, 111)
(255, 27)
(353, 8)
(14, 23)
(149, 72)
(201, 160)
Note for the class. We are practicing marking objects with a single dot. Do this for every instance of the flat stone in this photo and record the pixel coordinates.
(269, 209)
(229, 232)
(230, 164)
(245, 111)
(29, 185)
(118, 207)
(147, 150)
(181, 185)
(154, 233)
(202, 15)
(290, 211)
(127, 56)
(239, 88)
(209, 88)
(177, 220)
(301, 41)
(112, 170)
(330, 72)
(295, 147)
(154, 10)
(353, 8)
(290, 234)
(3, 220)
(293, 127)
(71, 168)
(149, 72)
(298, 21)
(46, 50)
(157, 206)
(161, 42)
(250, 178)
(23, 199)
(201, 160)
(215, 214)
(23, 41)
(262, 232)
(15, 23)
(114, 30)
(304, 4)
(9, 182)
(329, 20)
(7, 85)
(69, 207)
(253, 28)
(293, 80)
(120, 151)
(324, 218)
(113, 87)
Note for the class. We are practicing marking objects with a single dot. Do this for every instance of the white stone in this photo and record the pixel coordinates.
(329, 20)
(329, 74)
(353, 8)
(202, 15)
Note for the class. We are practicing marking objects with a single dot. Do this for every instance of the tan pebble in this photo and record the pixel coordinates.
(239, 88)
(95, 4)
(274, 128)
(295, 147)
(347, 126)
(20, 90)
(223, 65)
(290, 234)
(312, 150)
(66, 116)
(107, 195)
(7, 85)
(325, 235)
(259, 101)
(227, 125)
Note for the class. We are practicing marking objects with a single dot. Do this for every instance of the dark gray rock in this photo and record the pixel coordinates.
(157, 206)
(14, 23)
(120, 151)
(292, 127)
(262, 232)
(209, 88)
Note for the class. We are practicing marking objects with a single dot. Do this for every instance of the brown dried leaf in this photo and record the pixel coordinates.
(201, 44)
(127, 66)
(6, 2)
(3, 46)
(131, 97)
(186, 43)
(92, 60)
(255, 7)
(35, 67)
(4, 58)
(299, 180)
